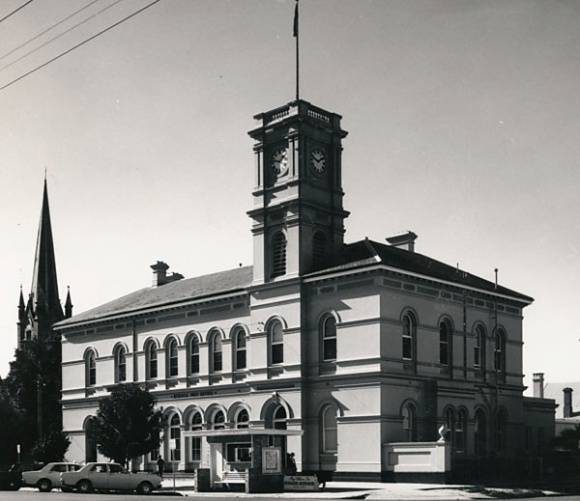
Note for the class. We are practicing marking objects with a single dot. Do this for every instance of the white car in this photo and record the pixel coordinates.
(109, 477)
(48, 476)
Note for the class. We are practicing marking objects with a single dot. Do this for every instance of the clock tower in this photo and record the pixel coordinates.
(298, 219)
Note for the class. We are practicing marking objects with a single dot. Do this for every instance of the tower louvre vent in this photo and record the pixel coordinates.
(318, 250)
(278, 255)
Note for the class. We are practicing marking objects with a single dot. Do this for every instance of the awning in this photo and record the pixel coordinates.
(242, 432)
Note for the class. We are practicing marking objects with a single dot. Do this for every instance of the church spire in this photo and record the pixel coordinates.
(21, 303)
(68, 306)
(44, 281)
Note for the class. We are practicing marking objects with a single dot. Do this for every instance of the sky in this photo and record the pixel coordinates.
(463, 120)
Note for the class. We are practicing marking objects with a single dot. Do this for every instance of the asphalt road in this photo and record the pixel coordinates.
(29, 495)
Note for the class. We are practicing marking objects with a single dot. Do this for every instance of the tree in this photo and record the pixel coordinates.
(51, 447)
(34, 384)
(30, 397)
(568, 439)
(10, 431)
(127, 425)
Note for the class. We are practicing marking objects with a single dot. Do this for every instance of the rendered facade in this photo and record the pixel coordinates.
(356, 345)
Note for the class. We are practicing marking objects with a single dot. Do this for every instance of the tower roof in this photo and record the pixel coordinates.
(44, 280)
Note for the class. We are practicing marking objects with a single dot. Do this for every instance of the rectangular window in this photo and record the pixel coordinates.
(196, 449)
(195, 363)
(476, 355)
(153, 368)
(241, 359)
(238, 453)
(217, 361)
(407, 347)
(329, 348)
(498, 365)
(444, 353)
(277, 353)
(173, 366)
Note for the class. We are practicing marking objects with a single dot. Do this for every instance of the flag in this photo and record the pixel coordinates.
(295, 32)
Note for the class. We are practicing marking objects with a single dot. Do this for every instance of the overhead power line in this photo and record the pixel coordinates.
(62, 54)
(58, 23)
(15, 10)
(60, 35)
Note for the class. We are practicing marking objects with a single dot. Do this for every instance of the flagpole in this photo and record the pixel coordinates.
(297, 36)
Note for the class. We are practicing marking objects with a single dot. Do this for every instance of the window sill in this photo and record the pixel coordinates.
(275, 370)
(327, 367)
(171, 382)
(240, 375)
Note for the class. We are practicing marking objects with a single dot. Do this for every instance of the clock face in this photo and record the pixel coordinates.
(280, 161)
(318, 161)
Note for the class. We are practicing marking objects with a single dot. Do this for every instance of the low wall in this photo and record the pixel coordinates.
(417, 457)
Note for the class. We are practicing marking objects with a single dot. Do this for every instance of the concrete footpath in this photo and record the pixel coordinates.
(369, 490)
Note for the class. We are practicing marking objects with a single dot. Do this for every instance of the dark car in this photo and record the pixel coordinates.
(11, 478)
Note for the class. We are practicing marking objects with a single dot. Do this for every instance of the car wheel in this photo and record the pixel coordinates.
(44, 485)
(85, 486)
(145, 488)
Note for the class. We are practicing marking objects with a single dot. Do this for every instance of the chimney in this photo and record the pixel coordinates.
(160, 276)
(568, 402)
(538, 379)
(405, 241)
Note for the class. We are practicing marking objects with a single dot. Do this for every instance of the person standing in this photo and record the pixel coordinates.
(160, 466)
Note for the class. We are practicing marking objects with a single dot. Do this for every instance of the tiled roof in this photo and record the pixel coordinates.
(368, 252)
(356, 255)
(174, 292)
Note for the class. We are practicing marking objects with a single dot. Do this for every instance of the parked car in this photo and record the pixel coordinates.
(109, 477)
(48, 476)
(10, 479)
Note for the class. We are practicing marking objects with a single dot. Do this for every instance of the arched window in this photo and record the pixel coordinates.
(409, 336)
(215, 352)
(219, 421)
(90, 369)
(460, 431)
(318, 250)
(329, 429)
(278, 254)
(450, 424)
(240, 349)
(279, 418)
(276, 338)
(445, 343)
(479, 348)
(120, 364)
(172, 358)
(175, 438)
(328, 338)
(242, 419)
(409, 415)
(499, 352)
(151, 360)
(480, 435)
(193, 349)
(196, 425)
